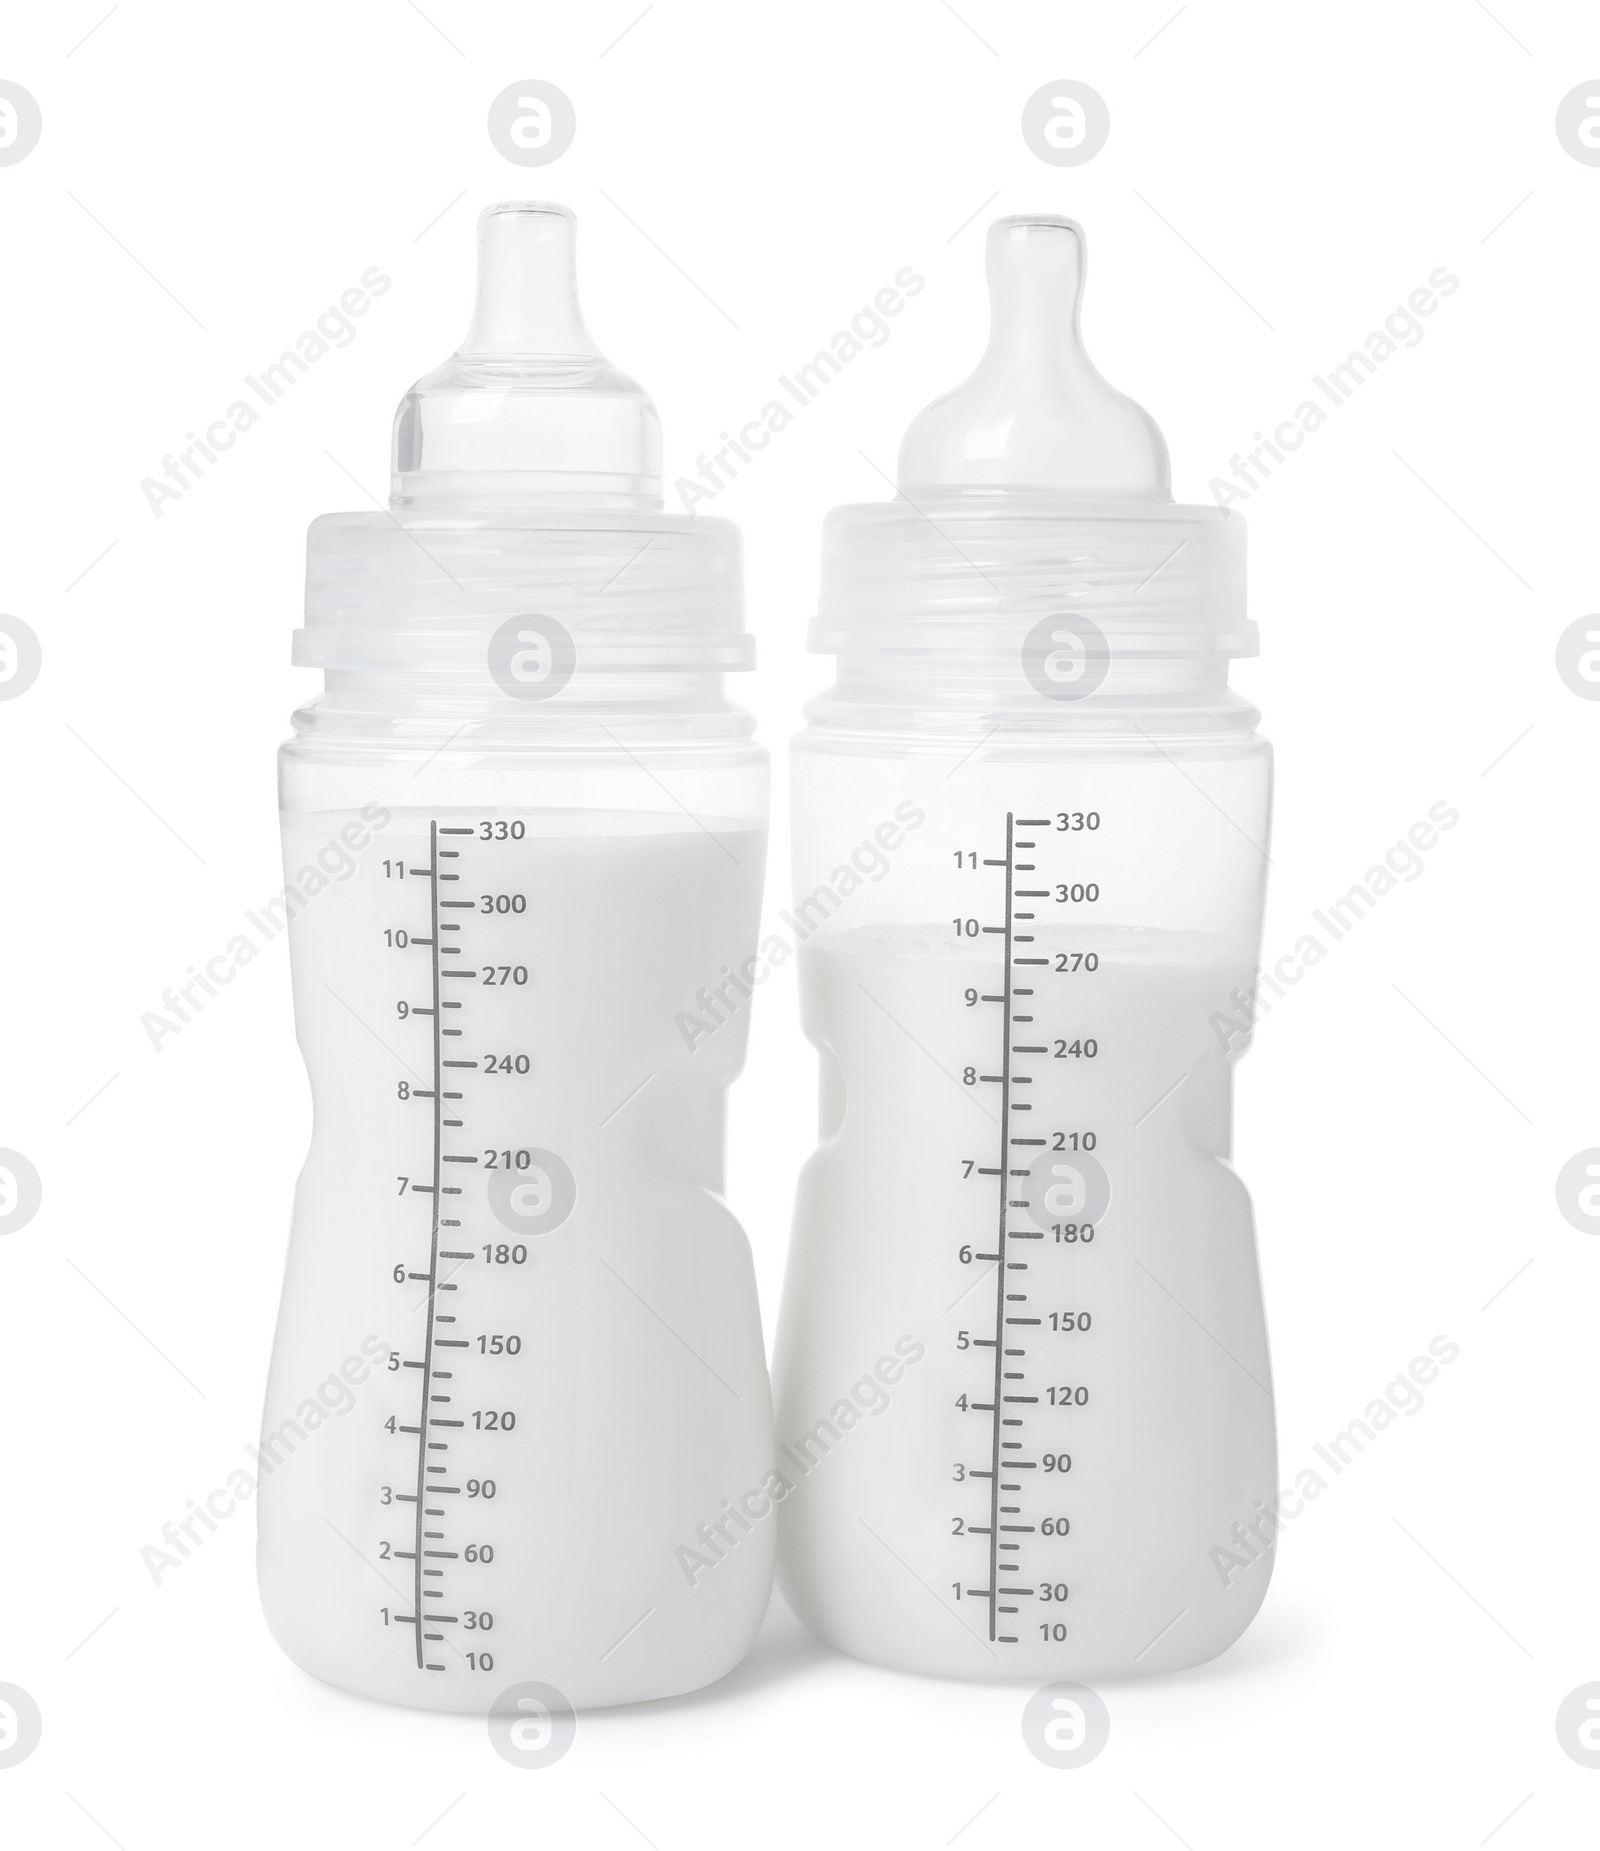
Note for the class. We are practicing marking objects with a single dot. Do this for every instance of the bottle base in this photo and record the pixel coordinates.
(1189, 1641)
(482, 1697)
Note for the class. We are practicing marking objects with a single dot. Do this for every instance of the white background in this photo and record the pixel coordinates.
(209, 179)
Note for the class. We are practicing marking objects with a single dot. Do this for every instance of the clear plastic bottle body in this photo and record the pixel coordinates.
(1020, 1237)
(519, 1360)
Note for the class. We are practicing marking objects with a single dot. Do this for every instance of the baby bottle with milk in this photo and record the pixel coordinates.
(1024, 1406)
(519, 1366)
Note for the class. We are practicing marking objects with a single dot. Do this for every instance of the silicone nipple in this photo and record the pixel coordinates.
(527, 410)
(1035, 418)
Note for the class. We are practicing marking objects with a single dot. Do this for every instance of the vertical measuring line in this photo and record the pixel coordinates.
(1000, 1245)
(433, 1238)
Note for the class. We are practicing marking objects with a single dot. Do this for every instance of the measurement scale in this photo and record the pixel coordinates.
(448, 1545)
(1041, 1183)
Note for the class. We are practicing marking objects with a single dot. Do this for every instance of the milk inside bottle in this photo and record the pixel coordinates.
(519, 1358)
(1022, 1380)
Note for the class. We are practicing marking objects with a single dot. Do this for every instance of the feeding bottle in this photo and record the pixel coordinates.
(519, 1363)
(1021, 1377)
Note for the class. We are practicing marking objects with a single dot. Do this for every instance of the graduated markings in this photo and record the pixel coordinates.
(435, 1427)
(422, 1617)
(1008, 1314)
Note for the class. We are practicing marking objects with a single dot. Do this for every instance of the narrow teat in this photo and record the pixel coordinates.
(527, 411)
(1035, 419)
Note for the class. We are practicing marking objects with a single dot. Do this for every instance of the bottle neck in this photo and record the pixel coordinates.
(1052, 620)
(938, 700)
(529, 628)
(401, 709)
